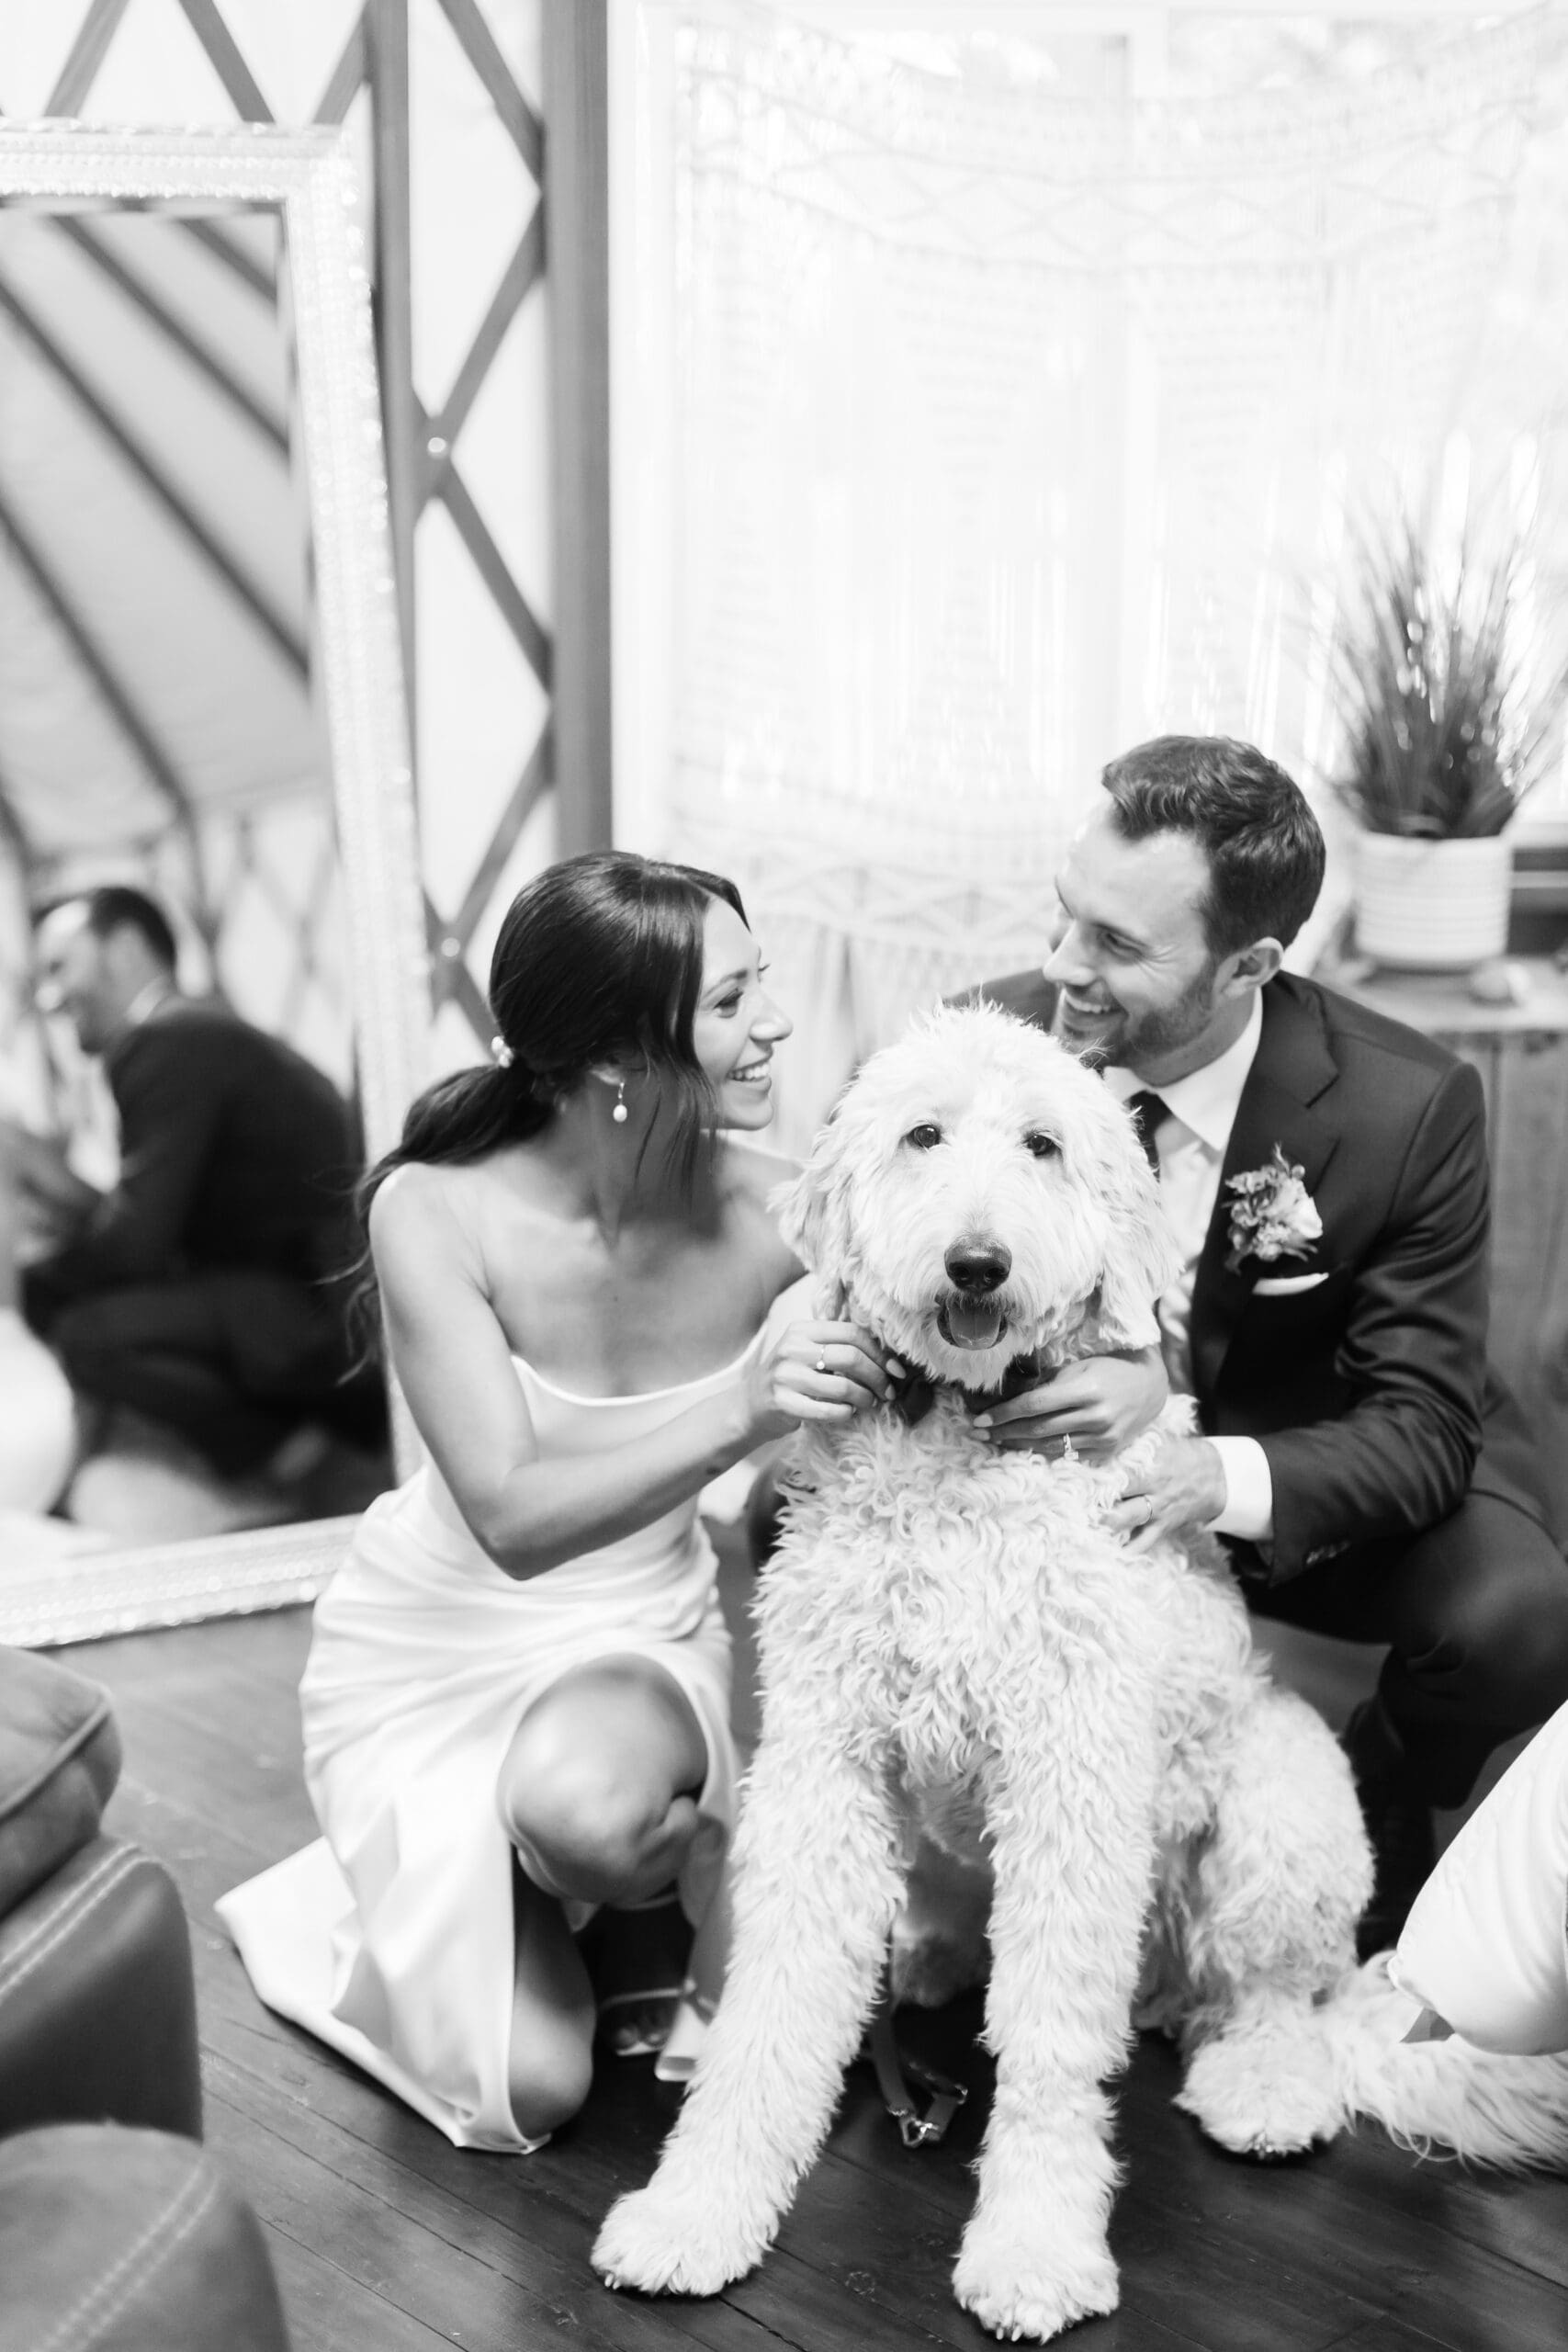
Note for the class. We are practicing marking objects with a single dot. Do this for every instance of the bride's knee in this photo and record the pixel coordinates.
(580, 1829)
(548, 2082)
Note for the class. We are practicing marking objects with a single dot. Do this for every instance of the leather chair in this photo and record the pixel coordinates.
(116, 2234)
(98, 2001)
(116, 2241)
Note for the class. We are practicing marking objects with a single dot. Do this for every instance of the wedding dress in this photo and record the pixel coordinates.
(392, 1937)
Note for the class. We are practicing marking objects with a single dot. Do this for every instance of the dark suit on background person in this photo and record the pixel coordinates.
(1406, 1507)
(199, 1289)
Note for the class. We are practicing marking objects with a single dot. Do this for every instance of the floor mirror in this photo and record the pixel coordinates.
(200, 686)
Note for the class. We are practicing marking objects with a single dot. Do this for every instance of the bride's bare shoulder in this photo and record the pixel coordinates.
(424, 1200)
(754, 1172)
(754, 1177)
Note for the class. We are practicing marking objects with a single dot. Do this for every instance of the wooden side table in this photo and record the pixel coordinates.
(1521, 1052)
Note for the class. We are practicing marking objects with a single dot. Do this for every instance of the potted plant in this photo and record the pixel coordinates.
(1450, 718)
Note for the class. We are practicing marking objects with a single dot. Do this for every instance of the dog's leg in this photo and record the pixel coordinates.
(817, 1883)
(1070, 1808)
(1277, 1890)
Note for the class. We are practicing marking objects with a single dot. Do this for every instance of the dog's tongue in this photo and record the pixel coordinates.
(973, 1322)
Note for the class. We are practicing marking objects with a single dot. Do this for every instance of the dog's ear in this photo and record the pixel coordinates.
(1142, 1258)
(813, 1210)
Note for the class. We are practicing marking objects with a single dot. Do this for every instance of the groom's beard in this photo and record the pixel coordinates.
(1130, 1040)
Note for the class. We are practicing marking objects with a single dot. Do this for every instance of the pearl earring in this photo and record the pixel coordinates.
(620, 1114)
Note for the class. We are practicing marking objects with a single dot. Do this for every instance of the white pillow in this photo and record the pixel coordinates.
(1486, 1942)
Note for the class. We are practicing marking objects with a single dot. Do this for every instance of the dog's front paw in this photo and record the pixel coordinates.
(1267, 2095)
(667, 2245)
(1019, 2286)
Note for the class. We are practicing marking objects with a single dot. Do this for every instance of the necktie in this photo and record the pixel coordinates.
(1148, 1109)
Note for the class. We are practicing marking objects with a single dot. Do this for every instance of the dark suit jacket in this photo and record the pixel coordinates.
(1369, 1393)
(234, 1152)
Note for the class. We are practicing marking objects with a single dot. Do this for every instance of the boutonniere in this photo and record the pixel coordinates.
(1272, 1214)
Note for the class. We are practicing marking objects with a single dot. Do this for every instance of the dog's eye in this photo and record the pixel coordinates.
(925, 1138)
(1043, 1146)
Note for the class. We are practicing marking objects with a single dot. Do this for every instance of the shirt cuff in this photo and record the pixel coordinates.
(1249, 1490)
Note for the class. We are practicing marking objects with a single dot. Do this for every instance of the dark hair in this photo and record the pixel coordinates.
(116, 906)
(600, 956)
(1250, 820)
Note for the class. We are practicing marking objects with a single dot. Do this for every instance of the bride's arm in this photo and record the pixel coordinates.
(455, 1370)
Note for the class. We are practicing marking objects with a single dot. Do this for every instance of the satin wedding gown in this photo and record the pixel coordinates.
(391, 1937)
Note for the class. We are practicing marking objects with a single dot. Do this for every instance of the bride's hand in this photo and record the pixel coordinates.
(818, 1372)
(1095, 1406)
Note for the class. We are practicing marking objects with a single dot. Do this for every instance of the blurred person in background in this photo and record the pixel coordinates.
(198, 1289)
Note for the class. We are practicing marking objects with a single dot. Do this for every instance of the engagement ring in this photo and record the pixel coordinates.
(822, 1363)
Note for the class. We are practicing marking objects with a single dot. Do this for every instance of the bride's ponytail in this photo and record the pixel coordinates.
(464, 1116)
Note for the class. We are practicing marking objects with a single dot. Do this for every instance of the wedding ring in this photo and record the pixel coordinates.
(822, 1363)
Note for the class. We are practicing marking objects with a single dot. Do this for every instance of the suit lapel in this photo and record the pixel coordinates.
(1293, 1068)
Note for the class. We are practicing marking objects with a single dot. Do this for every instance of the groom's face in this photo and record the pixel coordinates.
(1129, 953)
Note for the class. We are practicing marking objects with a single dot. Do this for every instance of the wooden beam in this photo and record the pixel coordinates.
(173, 328)
(483, 53)
(537, 772)
(386, 25)
(146, 466)
(523, 272)
(227, 59)
(491, 566)
(87, 51)
(13, 829)
(347, 79)
(116, 693)
(451, 982)
(234, 256)
(577, 204)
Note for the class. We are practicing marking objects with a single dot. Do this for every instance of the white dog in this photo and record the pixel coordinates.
(950, 1638)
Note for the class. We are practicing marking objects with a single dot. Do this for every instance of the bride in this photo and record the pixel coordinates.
(516, 1706)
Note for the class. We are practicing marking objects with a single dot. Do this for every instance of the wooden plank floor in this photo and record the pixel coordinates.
(386, 2238)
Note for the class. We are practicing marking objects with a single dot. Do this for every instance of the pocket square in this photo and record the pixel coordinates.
(1286, 1285)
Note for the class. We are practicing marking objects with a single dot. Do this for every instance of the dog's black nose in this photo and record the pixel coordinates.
(977, 1266)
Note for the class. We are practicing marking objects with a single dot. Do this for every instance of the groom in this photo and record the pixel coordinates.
(1324, 1169)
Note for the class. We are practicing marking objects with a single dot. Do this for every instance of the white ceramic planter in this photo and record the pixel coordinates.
(1432, 905)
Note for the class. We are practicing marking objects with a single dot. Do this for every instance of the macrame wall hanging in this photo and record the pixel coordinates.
(1020, 421)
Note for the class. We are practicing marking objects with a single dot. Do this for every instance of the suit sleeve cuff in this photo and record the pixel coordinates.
(1249, 1490)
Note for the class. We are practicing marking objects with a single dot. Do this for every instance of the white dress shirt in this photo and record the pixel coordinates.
(1190, 1143)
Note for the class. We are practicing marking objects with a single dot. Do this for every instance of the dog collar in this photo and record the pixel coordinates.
(914, 1396)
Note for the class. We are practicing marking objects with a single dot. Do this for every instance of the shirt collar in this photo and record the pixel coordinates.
(146, 1001)
(1206, 1099)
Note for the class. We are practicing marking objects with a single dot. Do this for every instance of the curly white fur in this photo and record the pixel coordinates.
(950, 1645)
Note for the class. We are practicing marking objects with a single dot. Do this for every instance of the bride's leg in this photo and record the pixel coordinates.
(551, 2063)
(598, 1793)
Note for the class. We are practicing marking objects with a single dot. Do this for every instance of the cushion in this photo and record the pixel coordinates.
(1485, 1946)
(98, 2001)
(128, 2242)
(60, 1759)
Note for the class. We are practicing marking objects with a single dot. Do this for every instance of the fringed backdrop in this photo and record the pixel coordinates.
(1020, 417)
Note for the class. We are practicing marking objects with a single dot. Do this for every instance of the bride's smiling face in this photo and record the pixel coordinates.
(736, 1024)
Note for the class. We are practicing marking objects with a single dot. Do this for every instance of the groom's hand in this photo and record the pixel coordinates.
(1181, 1489)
